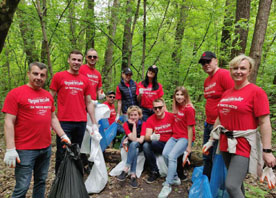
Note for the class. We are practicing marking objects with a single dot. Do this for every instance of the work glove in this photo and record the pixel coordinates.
(141, 91)
(117, 117)
(185, 159)
(269, 175)
(155, 137)
(95, 129)
(64, 138)
(10, 156)
(207, 146)
(95, 102)
(101, 95)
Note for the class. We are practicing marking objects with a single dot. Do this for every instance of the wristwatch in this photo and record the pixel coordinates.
(267, 150)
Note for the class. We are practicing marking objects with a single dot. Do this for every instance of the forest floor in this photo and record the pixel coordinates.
(116, 189)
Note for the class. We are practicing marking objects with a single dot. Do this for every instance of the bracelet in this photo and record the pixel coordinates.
(267, 150)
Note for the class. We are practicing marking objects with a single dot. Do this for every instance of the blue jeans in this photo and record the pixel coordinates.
(150, 149)
(75, 131)
(36, 161)
(173, 149)
(132, 155)
(208, 159)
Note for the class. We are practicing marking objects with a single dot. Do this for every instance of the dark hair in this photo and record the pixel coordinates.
(155, 84)
(74, 52)
(39, 65)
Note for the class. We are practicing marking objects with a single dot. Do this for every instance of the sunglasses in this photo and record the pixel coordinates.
(90, 57)
(158, 107)
(203, 62)
(111, 96)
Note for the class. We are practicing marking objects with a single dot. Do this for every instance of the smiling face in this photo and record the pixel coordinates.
(110, 98)
(158, 108)
(92, 58)
(240, 72)
(210, 67)
(126, 77)
(37, 77)
(75, 61)
(134, 116)
(150, 74)
(180, 97)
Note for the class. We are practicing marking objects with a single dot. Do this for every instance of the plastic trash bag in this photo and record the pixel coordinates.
(218, 176)
(97, 179)
(200, 188)
(69, 180)
(120, 167)
(108, 132)
(101, 111)
(197, 173)
(161, 164)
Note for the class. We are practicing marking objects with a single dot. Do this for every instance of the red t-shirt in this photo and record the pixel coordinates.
(94, 77)
(71, 91)
(127, 130)
(239, 110)
(112, 117)
(149, 95)
(182, 119)
(161, 126)
(33, 110)
(214, 87)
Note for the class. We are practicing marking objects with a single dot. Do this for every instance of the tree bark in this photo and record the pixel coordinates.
(108, 57)
(259, 36)
(90, 29)
(242, 17)
(144, 39)
(73, 38)
(7, 10)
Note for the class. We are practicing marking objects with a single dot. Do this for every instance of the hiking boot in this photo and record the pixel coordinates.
(152, 177)
(133, 182)
(176, 181)
(122, 176)
(166, 190)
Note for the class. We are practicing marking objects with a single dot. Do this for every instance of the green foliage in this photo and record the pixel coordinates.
(254, 191)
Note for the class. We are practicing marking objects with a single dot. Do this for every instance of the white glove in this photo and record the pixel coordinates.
(141, 91)
(95, 129)
(207, 146)
(10, 156)
(117, 117)
(65, 138)
(101, 96)
(95, 102)
(185, 159)
(155, 137)
(268, 174)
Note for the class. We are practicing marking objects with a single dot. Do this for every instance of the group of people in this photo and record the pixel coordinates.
(233, 106)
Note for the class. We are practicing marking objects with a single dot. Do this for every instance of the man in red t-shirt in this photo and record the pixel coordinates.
(217, 82)
(110, 99)
(73, 91)
(92, 74)
(158, 132)
(29, 114)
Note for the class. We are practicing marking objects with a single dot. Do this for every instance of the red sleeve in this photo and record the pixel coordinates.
(143, 130)
(148, 124)
(10, 105)
(226, 80)
(88, 87)
(127, 131)
(138, 86)
(54, 84)
(160, 91)
(261, 103)
(190, 116)
(118, 93)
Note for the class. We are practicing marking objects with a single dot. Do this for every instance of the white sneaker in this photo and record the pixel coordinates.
(166, 190)
(176, 181)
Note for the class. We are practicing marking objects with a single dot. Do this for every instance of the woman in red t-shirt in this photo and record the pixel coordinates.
(148, 90)
(181, 140)
(242, 109)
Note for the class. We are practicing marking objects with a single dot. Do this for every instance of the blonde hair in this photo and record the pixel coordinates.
(186, 95)
(238, 59)
(134, 108)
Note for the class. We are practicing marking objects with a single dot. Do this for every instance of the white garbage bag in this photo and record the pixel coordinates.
(163, 169)
(120, 167)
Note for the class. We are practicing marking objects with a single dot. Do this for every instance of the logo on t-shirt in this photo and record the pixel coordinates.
(166, 128)
(73, 86)
(41, 105)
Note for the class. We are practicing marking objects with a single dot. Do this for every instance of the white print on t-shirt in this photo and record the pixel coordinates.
(38, 100)
(228, 105)
(92, 76)
(239, 99)
(163, 128)
(36, 103)
(74, 90)
(73, 82)
(209, 92)
(210, 86)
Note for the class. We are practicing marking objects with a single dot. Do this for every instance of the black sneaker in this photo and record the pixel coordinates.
(133, 182)
(153, 176)
(122, 176)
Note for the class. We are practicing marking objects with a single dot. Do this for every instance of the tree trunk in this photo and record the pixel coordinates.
(7, 10)
(144, 39)
(90, 29)
(225, 41)
(73, 38)
(108, 57)
(179, 33)
(259, 36)
(242, 17)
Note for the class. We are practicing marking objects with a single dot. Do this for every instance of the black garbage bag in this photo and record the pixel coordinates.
(69, 180)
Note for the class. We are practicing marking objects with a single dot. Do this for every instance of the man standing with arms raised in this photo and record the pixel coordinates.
(73, 91)
(92, 74)
(29, 114)
(218, 81)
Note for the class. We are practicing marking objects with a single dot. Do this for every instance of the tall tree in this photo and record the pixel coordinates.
(108, 57)
(7, 10)
(90, 29)
(242, 27)
(259, 36)
(144, 39)
(73, 38)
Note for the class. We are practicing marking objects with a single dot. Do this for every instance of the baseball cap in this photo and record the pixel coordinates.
(153, 68)
(127, 71)
(207, 56)
(110, 92)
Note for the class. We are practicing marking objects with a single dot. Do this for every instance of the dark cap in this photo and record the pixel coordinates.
(207, 56)
(110, 92)
(153, 68)
(127, 71)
